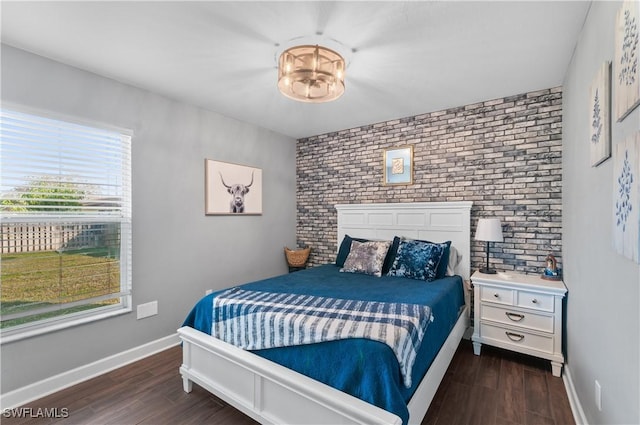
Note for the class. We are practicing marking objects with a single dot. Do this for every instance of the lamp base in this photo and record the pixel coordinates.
(486, 270)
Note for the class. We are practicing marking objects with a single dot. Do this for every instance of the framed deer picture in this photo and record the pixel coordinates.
(232, 189)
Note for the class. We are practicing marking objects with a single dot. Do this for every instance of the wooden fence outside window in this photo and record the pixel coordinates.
(36, 237)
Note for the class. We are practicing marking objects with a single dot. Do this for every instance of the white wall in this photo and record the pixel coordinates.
(178, 252)
(603, 321)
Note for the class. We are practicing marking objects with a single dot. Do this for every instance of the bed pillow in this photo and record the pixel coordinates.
(391, 255)
(417, 260)
(345, 247)
(454, 259)
(444, 261)
(366, 257)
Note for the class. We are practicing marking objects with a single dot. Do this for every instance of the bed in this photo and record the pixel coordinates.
(265, 385)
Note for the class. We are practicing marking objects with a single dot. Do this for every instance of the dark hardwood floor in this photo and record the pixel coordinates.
(497, 387)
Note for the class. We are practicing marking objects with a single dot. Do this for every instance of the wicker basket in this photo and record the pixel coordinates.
(298, 257)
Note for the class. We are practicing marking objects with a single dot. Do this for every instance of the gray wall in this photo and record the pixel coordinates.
(603, 332)
(504, 154)
(178, 252)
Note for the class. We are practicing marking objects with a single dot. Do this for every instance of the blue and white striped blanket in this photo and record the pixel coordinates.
(255, 320)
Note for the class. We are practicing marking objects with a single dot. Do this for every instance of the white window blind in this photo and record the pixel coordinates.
(65, 219)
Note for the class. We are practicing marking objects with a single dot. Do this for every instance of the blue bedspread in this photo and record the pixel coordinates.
(376, 382)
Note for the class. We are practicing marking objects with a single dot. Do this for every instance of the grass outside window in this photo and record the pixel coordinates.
(50, 278)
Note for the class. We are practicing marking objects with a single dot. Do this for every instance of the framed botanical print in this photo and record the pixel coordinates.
(398, 165)
(626, 197)
(600, 115)
(232, 189)
(626, 75)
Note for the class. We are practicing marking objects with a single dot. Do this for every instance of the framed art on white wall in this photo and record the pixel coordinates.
(626, 204)
(627, 53)
(600, 115)
(232, 189)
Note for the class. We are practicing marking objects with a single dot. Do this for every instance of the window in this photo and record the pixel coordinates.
(65, 219)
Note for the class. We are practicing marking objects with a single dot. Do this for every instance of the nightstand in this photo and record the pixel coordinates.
(521, 313)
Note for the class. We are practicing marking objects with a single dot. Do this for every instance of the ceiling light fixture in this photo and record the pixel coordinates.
(311, 74)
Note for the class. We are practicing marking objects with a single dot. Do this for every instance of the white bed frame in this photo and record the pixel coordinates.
(273, 394)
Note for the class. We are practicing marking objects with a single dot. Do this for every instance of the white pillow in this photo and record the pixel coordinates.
(454, 259)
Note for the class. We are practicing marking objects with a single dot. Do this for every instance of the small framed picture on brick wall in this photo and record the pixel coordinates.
(398, 165)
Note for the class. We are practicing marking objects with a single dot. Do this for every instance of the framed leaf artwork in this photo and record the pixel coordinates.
(626, 197)
(600, 115)
(626, 68)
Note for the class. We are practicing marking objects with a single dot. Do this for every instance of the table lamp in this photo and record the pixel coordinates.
(489, 230)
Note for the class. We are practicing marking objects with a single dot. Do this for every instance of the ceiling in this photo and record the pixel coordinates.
(405, 58)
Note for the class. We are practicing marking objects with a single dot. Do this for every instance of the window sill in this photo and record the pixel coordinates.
(12, 335)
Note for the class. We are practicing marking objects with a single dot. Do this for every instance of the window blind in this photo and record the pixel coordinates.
(65, 211)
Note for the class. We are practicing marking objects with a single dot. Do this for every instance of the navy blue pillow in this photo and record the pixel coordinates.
(444, 261)
(417, 260)
(391, 255)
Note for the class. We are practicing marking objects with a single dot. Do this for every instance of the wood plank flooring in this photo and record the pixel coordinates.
(498, 387)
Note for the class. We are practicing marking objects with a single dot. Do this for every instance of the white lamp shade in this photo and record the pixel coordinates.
(489, 229)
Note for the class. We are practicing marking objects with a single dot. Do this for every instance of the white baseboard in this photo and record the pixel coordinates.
(574, 401)
(47, 386)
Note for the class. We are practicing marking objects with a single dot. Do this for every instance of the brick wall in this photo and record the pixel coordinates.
(505, 155)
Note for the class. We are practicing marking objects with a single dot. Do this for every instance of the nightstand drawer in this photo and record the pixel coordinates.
(496, 295)
(517, 338)
(517, 318)
(536, 301)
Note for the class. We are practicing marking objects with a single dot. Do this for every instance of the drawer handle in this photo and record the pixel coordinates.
(496, 295)
(513, 316)
(514, 337)
(534, 301)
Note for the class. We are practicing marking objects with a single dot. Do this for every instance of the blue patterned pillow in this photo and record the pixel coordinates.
(444, 260)
(366, 257)
(417, 260)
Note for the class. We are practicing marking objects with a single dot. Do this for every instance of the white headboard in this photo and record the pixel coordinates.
(433, 221)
